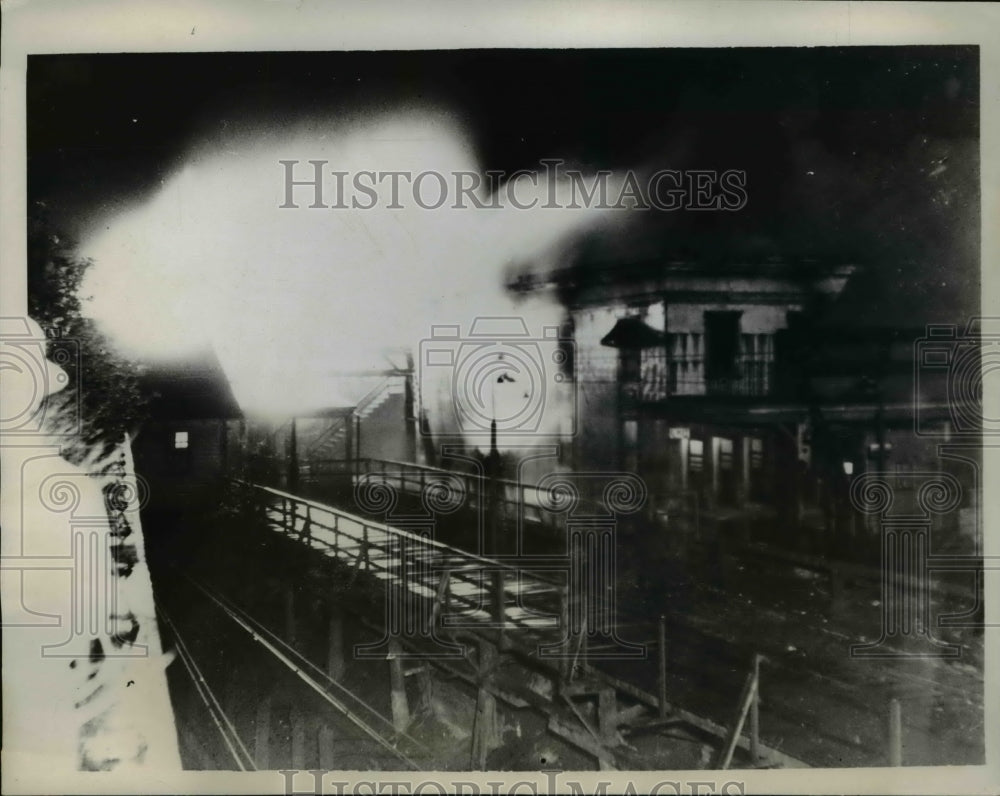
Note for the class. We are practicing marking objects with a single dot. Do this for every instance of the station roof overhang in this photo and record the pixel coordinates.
(633, 333)
(192, 388)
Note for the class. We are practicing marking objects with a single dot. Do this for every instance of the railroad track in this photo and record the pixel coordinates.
(820, 716)
(344, 719)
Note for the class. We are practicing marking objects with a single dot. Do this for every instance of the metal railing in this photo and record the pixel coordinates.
(442, 585)
(534, 504)
(528, 507)
(683, 367)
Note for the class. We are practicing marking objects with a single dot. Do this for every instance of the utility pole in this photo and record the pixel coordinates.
(410, 413)
(493, 529)
(293, 461)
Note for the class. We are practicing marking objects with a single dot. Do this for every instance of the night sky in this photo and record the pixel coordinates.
(862, 154)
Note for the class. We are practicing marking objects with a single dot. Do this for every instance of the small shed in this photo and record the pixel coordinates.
(183, 448)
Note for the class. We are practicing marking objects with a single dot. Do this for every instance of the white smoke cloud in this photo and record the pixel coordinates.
(285, 296)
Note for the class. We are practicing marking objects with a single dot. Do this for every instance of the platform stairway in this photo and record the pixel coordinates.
(336, 437)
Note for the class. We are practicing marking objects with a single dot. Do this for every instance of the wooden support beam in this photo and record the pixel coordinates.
(327, 759)
(837, 593)
(746, 699)
(755, 714)
(335, 663)
(661, 650)
(607, 715)
(565, 664)
(771, 756)
(262, 735)
(397, 684)
(231, 698)
(290, 614)
(575, 665)
(485, 732)
(584, 741)
(895, 733)
(425, 681)
(299, 751)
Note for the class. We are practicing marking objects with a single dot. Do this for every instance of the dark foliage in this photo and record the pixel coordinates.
(103, 400)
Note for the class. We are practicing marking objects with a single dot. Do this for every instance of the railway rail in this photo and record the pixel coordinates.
(247, 742)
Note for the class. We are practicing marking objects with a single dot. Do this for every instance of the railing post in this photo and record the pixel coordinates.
(307, 525)
(499, 610)
(895, 733)
(260, 502)
(400, 707)
(440, 599)
(335, 664)
(325, 741)
(607, 715)
(485, 732)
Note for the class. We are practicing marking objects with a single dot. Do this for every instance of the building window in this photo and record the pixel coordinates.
(180, 440)
(722, 337)
(756, 453)
(696, 455)
(725, 453)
